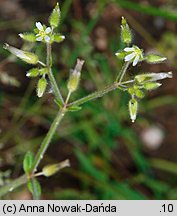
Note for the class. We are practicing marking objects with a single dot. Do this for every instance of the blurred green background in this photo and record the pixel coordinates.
(111, 158)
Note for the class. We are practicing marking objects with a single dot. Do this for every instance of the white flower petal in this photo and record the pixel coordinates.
(39, 39)
(135, 62)
(39, 26)
(48, 30)
(129, 57)
(129, 49)
(47, 38)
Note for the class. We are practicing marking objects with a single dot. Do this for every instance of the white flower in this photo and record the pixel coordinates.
(39, 26)
(134, 54)
(43, 33)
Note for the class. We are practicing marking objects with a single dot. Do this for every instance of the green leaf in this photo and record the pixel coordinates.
(41, 86)
(58, 103)
(28, 162)
(74, 108)
(54, 18)
(30, 37)
(35, 188)
(34, 72)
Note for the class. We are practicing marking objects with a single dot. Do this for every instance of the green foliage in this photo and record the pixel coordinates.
(28, 162)
(35, 188)
(99, 175)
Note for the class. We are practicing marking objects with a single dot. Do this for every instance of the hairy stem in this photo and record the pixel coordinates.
(13, 185)
(95, 95)
(56, 90)
(48, 139)
(123, 71)
(22, 180)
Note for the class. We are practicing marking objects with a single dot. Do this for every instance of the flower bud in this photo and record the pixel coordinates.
(28, 57)
(75, 76)
(54, 168)
(126, 34)
(152, 77)
(54, 18)
(152, 85)
(41, 86)
(28, 37)
(152, 58)
(133, 108)
(58, 38)
(34, 72)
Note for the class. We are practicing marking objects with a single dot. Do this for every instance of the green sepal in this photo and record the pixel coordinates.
(43, 71)
(139, 94)
(131, 91)
(28, 162)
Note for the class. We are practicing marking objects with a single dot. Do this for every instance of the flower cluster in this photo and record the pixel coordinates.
(143, 82)
(41, 34)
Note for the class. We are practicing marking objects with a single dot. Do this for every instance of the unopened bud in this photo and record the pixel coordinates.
(133, 108)
(28, 57)
(152, 77)
(152, 85)
(54, 168)
(152, 58)
(121, 55)
(41, 86)
(126, 34)
(75, 74)
(28, 37)
(58, 38)
(54, 18)
(34, 72)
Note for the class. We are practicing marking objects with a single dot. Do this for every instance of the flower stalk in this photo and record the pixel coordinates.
(135, 87)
